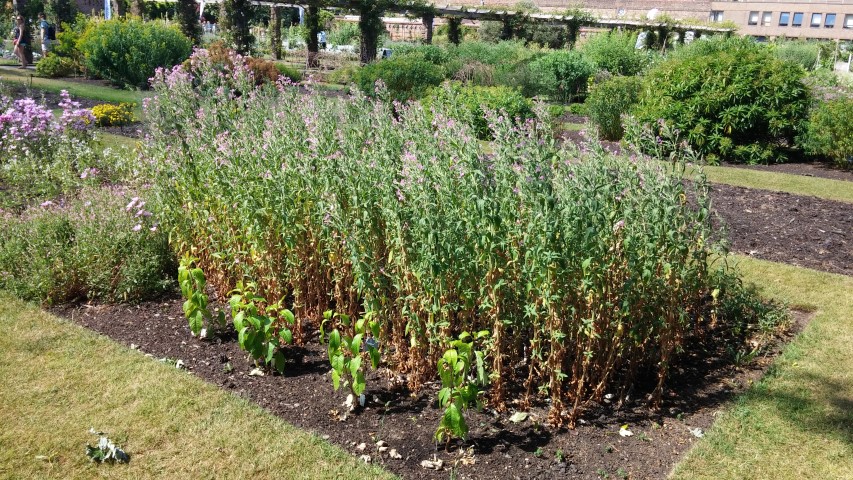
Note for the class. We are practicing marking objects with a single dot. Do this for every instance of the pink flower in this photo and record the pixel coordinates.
(138, 227)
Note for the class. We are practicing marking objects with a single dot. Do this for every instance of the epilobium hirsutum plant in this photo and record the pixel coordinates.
(41, 154)
(586, 269)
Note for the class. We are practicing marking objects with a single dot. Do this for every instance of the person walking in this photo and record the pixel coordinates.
(44, 31)
(21, 42)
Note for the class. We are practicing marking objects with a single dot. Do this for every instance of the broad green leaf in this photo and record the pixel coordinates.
(336, 380)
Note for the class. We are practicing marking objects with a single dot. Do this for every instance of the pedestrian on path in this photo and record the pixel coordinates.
(21, 42)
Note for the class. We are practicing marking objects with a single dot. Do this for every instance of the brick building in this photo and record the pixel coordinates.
(818, 19)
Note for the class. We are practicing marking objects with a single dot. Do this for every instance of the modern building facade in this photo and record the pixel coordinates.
(807, 19)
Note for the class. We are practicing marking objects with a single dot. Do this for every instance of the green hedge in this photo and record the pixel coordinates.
(127, 52)
(405, 77)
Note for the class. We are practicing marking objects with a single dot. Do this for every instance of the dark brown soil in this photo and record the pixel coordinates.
(804, 231)
(808, 169)
(498, 448)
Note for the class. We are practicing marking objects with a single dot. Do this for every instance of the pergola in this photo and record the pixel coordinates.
(454, 15)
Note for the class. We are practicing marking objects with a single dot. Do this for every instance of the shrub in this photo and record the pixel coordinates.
(802, 54)
(474, 101)
(730, 99)
(609, 101)
(287, 71)
(430, 53)
(41, 154)
(561, 75)
(127, 52)
(344, 33)
(264, 71)
(829, 131)
(54, 66)
(592, 268)
(107, 114)
(98, 245)
(406, 78)
(615, 52)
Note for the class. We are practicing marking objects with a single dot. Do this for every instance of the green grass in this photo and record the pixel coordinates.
(76, 89)
(828, 189)
(57, 380)
(797, 422)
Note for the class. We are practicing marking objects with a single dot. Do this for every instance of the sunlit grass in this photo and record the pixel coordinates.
(825, 188)
(76, 89)
(57, 380)
(797, 422)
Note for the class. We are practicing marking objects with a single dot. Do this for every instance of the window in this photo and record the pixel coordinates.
(816, 19)
(753, 18)
(798, 19)
(829, 22)
(716, 15)
(784, 18)
(848, 21)
(767, 18)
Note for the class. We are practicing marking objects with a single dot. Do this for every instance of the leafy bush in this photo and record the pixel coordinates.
(475, 101)
(405, 77)
(287, 71)
(503, 56)
(107, 114)
(609, 101)
(128, 51)
(731, 100)
(561, 75)
(395, 214)
(829, 131)
(430, 53)
(344, 33)
(802, 54)
(54, 66)
(615, 52)
(67, 38)
(100, 244)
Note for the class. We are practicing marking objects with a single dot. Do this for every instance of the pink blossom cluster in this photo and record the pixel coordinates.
(24, 123)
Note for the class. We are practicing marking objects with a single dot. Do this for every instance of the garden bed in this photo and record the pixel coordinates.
(304, 397)
(778, 226)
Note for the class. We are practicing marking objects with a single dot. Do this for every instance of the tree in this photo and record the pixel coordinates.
(234, 19)
(312, 22)
(188, 19)
(60, 11)
(275, 31)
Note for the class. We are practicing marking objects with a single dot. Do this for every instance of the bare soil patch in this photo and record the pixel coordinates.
(799, 230)
(498, 448)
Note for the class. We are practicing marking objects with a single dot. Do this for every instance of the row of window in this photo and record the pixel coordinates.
(786, 18)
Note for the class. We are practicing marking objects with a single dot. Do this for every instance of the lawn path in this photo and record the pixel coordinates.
(797, 422)
(57, 380)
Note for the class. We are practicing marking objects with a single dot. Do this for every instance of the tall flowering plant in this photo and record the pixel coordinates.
(40, 148)
(584, 269)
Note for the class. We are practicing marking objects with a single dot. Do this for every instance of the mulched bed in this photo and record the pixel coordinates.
(799, 230)
(498, 448)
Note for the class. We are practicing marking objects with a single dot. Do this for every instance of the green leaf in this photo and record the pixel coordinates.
(355, 366)
(355, 344)
(286, 336)
(279, 362)
(359, 383)
(289, 317)
(336, 380)
(196, 322)
(374, 357)
(270, 352)
(335, 340)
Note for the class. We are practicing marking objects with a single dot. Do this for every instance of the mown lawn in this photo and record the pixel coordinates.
(76, 89)
(57, 380)
(797, 422)
(828, 189)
